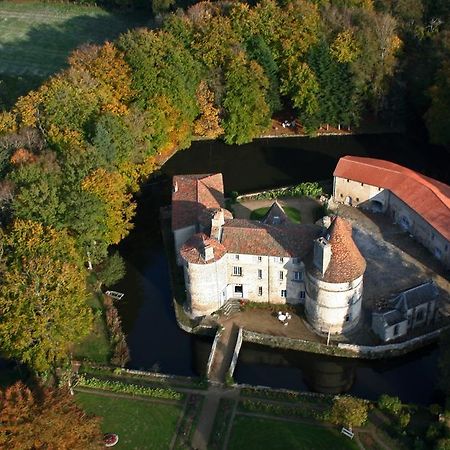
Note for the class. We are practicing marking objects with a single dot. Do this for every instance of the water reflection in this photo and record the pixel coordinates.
(413, 377)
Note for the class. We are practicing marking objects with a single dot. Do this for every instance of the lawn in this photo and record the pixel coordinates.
(36, 38)
(251, 433)
(292, 213)
(140, 424)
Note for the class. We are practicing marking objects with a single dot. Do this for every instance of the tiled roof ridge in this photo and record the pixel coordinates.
(400, 170)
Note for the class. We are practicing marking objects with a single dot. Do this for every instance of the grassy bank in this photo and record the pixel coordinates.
(36, 38)
(139, 424)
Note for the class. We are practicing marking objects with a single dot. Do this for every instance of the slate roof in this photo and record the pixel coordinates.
(275, 215)
(191, 194)
(346, 263)
(428, 197)
(250, 237)
(193, 249)
(418, 295)
(393, 317)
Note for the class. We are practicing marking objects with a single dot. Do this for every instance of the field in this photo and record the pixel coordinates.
(36, 38)
(250, 433)
(140, 424)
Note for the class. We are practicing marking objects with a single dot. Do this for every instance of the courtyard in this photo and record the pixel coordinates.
(395, 262)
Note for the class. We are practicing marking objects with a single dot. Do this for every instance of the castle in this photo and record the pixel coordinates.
(272, 260)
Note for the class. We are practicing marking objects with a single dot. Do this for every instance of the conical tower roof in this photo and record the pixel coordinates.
(346, 263)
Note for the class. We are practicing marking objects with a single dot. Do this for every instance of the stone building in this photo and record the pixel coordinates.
(268, 261)
(412, 308)
(334, 281)
(419, 204)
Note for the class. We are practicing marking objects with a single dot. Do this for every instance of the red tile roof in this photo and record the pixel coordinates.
(191, 194)
(346, 263)
(250, 237)
(193, 249)
(428, 197)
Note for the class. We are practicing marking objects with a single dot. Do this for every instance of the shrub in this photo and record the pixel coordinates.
(435, 409)
(443, 444)
(403, 419)
(389, 404)
(349, 411)
(118, 386)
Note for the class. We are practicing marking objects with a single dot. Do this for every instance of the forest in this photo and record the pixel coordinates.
(74, 151)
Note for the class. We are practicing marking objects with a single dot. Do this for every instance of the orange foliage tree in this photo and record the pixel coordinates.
(49, 419)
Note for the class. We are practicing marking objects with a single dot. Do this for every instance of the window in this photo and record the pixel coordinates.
(284, 293)
(237, 271)
(357, 199)
(281, 275)
(298, 276)
(347, 318)
(281, 259)
(259, 290)
(259, 258)
(395, 330)
(302, 294)
(342, 195)
(362, 184)
(259, 274)
(379, 189)
(236, 257)
(296, 260)
(419, 315)
(348, 180)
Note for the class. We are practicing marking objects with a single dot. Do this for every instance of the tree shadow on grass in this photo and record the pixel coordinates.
(26, 62)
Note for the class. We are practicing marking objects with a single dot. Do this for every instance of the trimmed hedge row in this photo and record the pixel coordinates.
(117, 386)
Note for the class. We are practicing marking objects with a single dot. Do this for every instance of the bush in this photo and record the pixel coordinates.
(435, 409)
(391, 405)
(349, 411)
(307, 189)
(113, 270)
(118, 386)
(434, 432)
(403, 419)
(443, 444)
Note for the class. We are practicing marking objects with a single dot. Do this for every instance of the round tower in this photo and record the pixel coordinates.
(205, 274)
(334, 281)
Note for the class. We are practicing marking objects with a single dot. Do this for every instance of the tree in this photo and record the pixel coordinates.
(45, 418)
(162, 67)
(112, 270)
(349, 411)
(43, 307)
(110, 188)
(161, 6)
(437, 117)
(208, 123)
(246, 111)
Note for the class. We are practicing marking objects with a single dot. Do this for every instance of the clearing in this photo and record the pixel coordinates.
(36, 38)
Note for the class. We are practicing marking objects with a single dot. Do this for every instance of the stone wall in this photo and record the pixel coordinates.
(213, 350)
(237, 349)
(419, 228)
(356, 193)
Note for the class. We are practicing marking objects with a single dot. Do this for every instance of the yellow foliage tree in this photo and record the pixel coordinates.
(207, 124)
(110, 187)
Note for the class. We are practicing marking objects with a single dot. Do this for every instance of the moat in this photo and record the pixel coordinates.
(156, 342)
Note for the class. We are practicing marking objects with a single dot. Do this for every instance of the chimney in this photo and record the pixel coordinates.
(218, 219)
(175, 187)
(208, 252)
(322, 254)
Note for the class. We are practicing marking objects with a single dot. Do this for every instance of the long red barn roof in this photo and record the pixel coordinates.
(428, 197)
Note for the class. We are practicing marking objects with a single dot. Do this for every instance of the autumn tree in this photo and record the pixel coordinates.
(45, 418)
(43, 307)
(208, 123)
(110, 188)
(349, 411)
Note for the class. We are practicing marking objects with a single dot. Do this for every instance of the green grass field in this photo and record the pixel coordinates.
(139, 424)
(292, 213)
(36, 38)
(250, 433)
